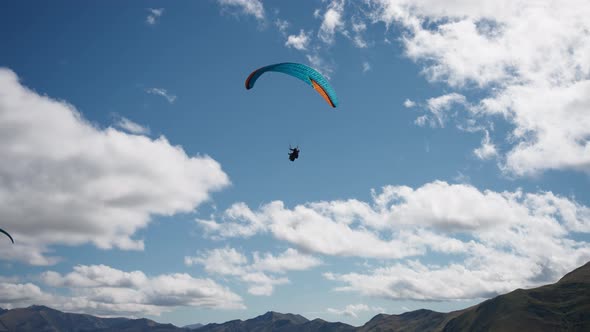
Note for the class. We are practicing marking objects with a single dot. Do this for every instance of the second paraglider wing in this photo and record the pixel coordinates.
(6, 233)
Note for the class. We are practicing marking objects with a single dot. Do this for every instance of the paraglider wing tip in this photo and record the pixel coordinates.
(322, 92)
(247, 83)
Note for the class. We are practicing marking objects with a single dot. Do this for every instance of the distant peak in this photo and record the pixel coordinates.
(38, 307)
(418, 312)
(270, 314)
(273, 315)
(318, 320)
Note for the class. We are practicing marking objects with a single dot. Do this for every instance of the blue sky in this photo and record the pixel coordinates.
(140, 177)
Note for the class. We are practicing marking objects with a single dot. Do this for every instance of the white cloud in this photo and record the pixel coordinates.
(261, 284)
(409, 103)
(487, 149)
(299, 42)
(309, 228)
(552, 127)
(282, 25)
(352, 310)
(525, 236)
(486, 273)
(154, 15)
(70, 183)
(230, 262)
(162, 92)
(421, 120)
(359, 28)
(249, 7)
(14, 294)
(531, 60)
(439, 107)
(332, 21)
(105, 291)
(130, 126)
(317, 13)
(224, 261)
(290, 260)
(366, 66)
(90, 276)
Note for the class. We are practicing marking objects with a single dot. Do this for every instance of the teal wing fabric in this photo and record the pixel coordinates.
(302, 72)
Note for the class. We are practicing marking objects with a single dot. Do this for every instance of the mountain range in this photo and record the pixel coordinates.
(562, 306)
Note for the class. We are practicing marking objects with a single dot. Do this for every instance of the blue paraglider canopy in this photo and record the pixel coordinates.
(302, 72)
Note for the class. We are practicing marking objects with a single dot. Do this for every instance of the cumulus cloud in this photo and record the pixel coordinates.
(290, 260)
(552, 127)
(531, 60)
(105, 291)
(154, 15)
(352, 310)
(90, 276)
(299, 42)
(163, 93)
(528, 237)
(487, 273)
(249, 7)
(130, 126)
(230, 262)
(332, 21)
(13, 294)
(261, 284)
(308, 228)
(366, 66)
(224, 261)
(69, 182)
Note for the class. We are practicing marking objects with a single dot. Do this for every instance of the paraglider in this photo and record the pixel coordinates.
(294, 153)
(6, 233)
(302, 72)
